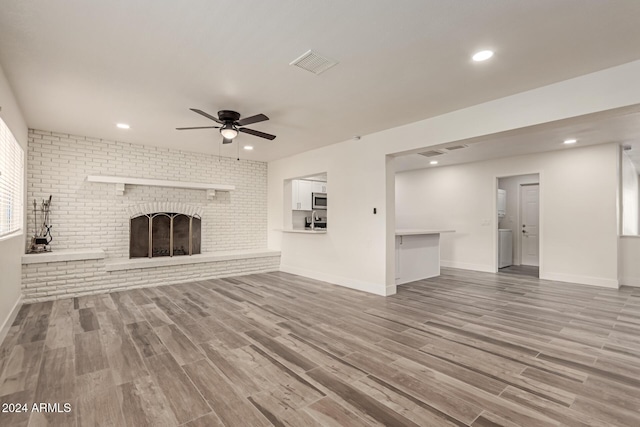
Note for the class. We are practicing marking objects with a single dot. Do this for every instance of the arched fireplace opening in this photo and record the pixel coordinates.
(164, 234)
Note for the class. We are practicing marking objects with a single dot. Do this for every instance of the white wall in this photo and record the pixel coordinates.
(630, 202)
(577, 209)
(512, 220)
(357, 251)
(349, 254)
(12, 248)
(91, 215)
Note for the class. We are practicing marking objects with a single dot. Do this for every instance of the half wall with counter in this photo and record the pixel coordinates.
(417, 254)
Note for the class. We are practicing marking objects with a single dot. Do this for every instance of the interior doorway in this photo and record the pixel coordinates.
(518, 209)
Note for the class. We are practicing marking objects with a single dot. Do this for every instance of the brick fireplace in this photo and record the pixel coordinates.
(93, 222)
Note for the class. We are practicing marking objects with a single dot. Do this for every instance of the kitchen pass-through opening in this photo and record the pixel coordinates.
(306, 203)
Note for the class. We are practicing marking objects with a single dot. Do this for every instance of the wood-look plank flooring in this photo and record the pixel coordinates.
(464, 348)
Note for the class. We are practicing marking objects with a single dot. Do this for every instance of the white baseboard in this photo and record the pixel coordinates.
(630, 281)
(4, 330)
(372, 288)
(466, 266)
(582, 280)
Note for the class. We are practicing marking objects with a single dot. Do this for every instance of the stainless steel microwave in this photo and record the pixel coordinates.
(319, 200)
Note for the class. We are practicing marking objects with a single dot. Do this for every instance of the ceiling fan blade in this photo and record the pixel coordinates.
(258, 133)
(227, 141)
(207, 115)
(253, 119)
(200, 127)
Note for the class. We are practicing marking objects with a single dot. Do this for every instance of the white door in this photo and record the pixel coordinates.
(529, 227)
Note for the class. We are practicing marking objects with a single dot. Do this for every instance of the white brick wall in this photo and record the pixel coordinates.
(88, 215)
(91, 215)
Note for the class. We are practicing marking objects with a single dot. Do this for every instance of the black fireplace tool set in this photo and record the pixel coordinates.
(42, 236)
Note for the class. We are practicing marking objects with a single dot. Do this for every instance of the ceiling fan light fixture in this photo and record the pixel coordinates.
(228, 131)
(231, 124)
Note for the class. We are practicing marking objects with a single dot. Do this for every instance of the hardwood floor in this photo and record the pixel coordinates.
(464, 348)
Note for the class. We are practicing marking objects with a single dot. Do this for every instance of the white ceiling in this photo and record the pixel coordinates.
(82, 66)
(621, 126)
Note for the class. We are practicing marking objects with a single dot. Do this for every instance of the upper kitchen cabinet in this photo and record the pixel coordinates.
(301, 196)
(502, 203)
(319, 187)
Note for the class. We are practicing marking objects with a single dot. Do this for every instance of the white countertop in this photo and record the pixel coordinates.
(419, 231)
(62, 256)
(303, 231)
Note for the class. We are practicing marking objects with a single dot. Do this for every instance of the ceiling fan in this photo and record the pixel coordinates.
(231, 124)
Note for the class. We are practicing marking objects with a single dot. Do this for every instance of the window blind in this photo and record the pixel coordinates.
(11, 181)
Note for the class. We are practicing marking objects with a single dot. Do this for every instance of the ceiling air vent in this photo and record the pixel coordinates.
(313, 62)
(456, 147)
(431, 153)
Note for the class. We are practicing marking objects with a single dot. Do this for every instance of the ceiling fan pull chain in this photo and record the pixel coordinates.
(238, 144)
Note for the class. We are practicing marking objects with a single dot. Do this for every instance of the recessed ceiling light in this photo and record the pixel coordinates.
(248, 147)
(570, 141)
(483, 55)
(433, 162)
(123, 126)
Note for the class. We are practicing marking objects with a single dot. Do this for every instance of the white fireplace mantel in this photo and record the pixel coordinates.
(121, 181)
